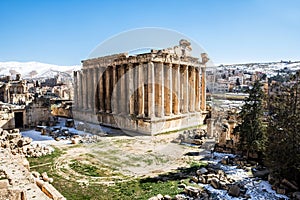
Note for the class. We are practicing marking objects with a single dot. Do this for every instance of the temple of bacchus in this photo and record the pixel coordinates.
(149, 93)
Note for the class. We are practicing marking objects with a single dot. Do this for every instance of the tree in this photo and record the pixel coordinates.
(250, 130)
(237, 82)
(283, 145)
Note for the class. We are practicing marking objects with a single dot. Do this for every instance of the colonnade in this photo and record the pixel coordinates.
(145, 90)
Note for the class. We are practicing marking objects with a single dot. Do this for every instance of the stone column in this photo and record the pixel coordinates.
(168, 89)
(115, 86)
(88, 89)
(203, 88)
(160, 112)
(95, 82)
(80, 93)
(107, 90)
(192, 90)
(176, 89)
(141, 92)
(151, 90)
(91, 89)
(198, 90)
(75, 75)
(210, 127)
(84, 89)
(101, 89)
(122, 98)
(130, 92)
(185, 89)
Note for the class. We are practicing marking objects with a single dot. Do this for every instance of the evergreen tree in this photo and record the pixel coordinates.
(237, 82)
(283, 146)
(251, 130)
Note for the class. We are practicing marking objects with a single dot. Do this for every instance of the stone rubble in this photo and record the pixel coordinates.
(215, 176)
(194, 136)
(17, 183)
(16, 144)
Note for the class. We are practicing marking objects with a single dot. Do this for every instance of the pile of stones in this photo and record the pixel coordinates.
(76, 139)
(41, 177)
(214, 175)
(195, 136)
(13, 140)
(218, 179)
(18, 183)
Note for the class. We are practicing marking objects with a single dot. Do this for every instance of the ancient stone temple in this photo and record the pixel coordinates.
(149, 93)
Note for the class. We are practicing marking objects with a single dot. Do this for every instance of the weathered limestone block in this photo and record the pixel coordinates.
(45, 176)
(51, 192)
(4, 183)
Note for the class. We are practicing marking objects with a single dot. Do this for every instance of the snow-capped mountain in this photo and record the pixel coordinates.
(34, 69)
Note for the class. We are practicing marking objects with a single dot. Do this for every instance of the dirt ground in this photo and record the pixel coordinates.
(121, 158)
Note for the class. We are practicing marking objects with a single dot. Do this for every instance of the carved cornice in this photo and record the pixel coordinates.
(178, 55)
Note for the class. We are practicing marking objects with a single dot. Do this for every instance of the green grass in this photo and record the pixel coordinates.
(133, 189)
(44, 159)
(89, 170)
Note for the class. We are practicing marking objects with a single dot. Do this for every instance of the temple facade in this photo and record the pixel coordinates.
(149, 93)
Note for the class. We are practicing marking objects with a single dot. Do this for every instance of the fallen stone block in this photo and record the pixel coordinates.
(4, 183)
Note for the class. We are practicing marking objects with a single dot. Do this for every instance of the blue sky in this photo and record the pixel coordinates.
(64, 32)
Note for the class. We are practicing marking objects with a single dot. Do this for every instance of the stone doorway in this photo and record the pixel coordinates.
(19, 123)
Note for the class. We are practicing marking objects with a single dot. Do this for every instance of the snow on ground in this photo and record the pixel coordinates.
(260, 189)
(36, 135)
(42, 140)
(37, 138)
(257, 189)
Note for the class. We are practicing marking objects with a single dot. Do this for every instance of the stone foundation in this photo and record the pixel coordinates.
(146, 126)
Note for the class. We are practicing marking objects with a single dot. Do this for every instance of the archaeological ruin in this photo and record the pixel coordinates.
(149, 93)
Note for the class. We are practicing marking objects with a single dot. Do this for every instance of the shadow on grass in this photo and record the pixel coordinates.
(179, 174)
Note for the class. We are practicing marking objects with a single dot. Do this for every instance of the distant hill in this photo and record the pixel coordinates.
(269, 68)
(35, 70)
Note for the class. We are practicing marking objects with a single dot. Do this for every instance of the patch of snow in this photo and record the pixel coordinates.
(257, 189)
(262, 190)
(35, 135)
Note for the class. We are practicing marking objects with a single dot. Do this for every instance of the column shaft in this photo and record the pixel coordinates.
(80, 95)
(75, 75)
(91, 89)
(203, 89)
(176, 89)
(168, 89)
(107, 90)
(115, 94)
(141, 91)
(101, 89)
(159, 90)
(88, 89)
(198, 90)
(122, 82)
(151, 90)
(95, 82)
(84, 89)
(192, 89)
(185, 90)
(130, 88)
